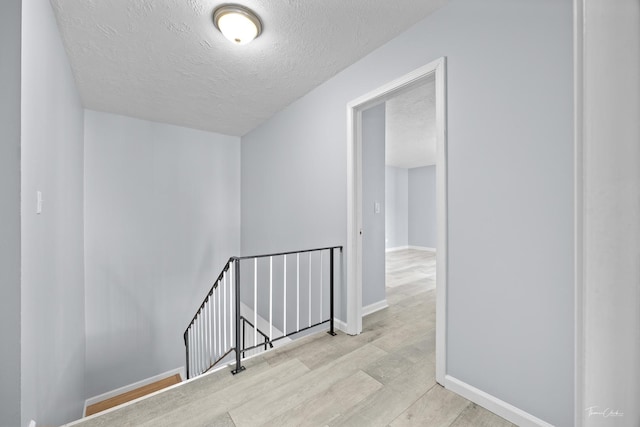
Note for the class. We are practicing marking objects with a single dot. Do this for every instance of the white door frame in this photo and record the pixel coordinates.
(354, 199)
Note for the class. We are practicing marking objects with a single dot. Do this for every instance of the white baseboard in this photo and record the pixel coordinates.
(340, 325)
(422, 248)
(376, 306)
(397, 248)
(113, 393)
(493, 404)
(404, 248)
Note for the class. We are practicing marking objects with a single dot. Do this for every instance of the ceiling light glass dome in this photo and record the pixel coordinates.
(237, 23)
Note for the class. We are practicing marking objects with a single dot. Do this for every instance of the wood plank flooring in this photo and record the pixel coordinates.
(382, 377)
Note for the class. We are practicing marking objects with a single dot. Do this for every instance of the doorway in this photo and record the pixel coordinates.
(434, 70)
(410, 192)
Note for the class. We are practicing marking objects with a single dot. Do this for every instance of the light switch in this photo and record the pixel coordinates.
(376, 207)
(38, 202)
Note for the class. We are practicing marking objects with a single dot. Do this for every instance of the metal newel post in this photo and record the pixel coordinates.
(186, 343)
(239, 367)
(331, 331)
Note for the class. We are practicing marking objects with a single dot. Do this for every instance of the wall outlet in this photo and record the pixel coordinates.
(376, 207)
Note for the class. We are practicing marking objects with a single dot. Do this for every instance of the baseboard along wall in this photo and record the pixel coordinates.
(376, 306)
(493, 404)
(404, 248)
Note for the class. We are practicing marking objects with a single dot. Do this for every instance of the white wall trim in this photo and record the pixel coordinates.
(493, 404)
(608, 240)
(354, 199)
(340, 325)
(376, 306)
(404, 248)
(353, 253)
(396, 249)
(423, 248)
(578, 206)
(124, 389)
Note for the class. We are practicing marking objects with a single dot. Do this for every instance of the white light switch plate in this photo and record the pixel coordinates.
(38, 205)
(376, 207)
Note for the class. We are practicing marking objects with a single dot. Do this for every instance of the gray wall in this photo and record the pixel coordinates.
(52, 303)
(10, 13)
(396, 207)
(509, 69)
(162, 216)
(422, 207)
(373, 191)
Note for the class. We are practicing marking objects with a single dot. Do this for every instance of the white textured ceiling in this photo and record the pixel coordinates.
(163, 60)
(411, 127)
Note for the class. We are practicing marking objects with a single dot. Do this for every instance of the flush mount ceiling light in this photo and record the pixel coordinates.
(237, 23)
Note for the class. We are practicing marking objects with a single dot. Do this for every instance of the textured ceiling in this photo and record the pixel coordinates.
(163, 60)
(411, 127)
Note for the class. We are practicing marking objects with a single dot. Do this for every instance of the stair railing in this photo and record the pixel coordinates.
(209, 337)
(219, 327)
(265, 339)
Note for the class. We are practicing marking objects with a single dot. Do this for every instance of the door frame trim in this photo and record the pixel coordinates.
(354, 199)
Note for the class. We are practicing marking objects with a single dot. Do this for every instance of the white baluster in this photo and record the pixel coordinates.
(255, 301)
(309, 288)
(192, 340)
(270, 297)
(298, 292)
(284, 297)
(205, 333)
(216, 326)
(197, 333)
(321, 252)
(219, 331)
(202, 349)
(224, 306)
(210, 324)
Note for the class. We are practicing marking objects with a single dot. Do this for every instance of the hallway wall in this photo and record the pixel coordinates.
(396, 207)
(411, 207)
(509, 68)
(162, 218)
(10, 40)
(373, 191)
(423, 225)
(52, 300)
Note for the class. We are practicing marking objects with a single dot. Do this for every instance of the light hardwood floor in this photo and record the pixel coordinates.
(384, 376)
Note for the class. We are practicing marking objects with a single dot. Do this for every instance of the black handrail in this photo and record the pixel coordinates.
(210, 293)
(287, 253)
